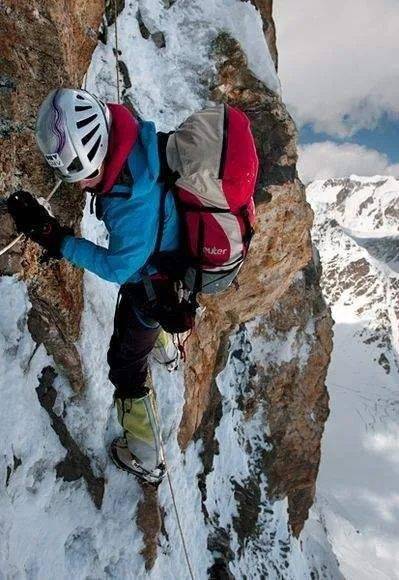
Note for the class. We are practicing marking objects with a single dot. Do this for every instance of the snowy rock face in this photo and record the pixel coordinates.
(281, 253)
(265, 8)
(243, 419)
(280, 277)
(356, 232)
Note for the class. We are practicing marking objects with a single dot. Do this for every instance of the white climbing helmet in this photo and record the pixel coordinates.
(72, 130)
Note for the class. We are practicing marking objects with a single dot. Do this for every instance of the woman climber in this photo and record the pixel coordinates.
(211, 162)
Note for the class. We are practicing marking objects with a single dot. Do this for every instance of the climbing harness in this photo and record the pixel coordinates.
(172, 493)
(19, 238)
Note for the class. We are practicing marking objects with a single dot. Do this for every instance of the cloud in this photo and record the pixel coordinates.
(338, 62)
(327, 159)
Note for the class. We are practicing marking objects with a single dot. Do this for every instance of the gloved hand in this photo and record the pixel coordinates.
(33, 220)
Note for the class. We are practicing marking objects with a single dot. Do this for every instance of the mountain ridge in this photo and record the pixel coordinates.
(355, 231)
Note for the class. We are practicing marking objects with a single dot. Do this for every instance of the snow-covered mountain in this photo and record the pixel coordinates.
(357, 233)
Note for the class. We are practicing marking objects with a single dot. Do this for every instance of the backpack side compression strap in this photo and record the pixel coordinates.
(166, 175)
(148, 286)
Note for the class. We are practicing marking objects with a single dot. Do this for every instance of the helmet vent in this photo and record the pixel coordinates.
(89, 135)
(94, 149)
(86, 121)
(73, 133)
(75, 166)
(83, 107)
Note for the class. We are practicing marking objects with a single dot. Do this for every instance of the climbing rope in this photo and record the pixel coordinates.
(117, 52)
(19, 238)
(16, 240)
(172, 493)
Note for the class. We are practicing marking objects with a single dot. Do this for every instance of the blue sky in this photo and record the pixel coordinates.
(384, 138)
(339, 69)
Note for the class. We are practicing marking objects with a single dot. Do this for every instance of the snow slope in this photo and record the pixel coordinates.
(41, 514)
(169, 83)
(356, 231)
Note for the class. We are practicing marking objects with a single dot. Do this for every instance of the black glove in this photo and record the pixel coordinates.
(33, 220)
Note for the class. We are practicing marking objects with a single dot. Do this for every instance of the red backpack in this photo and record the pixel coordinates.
(210, 163)
(214, 155)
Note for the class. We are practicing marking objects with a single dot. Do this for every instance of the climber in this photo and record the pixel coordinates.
(114, 156)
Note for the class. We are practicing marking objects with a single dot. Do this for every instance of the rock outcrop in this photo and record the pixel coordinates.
(43, 44)
(269, 288)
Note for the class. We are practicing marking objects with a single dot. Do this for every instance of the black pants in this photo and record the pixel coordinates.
(132, 341)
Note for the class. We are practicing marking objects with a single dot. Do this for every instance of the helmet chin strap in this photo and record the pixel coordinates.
(19, 238)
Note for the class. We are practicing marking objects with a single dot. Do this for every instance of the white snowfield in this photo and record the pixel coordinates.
(357, 233)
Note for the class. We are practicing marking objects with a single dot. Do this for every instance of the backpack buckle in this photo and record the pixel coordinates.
(149, 289)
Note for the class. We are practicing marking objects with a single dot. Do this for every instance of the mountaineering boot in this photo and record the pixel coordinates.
(139, 452)
(165, 351)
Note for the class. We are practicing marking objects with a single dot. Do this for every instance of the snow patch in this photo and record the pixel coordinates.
(170, 83)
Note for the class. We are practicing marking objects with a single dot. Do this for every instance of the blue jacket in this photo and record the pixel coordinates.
(132, 223)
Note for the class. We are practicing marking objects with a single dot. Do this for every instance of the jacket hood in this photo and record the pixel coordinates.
(123, 136)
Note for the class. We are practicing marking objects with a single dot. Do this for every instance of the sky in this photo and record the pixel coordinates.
(339, 68)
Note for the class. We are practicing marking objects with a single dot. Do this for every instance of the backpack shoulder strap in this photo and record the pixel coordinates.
(166, 175)
(148, 285)
(161, 223)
